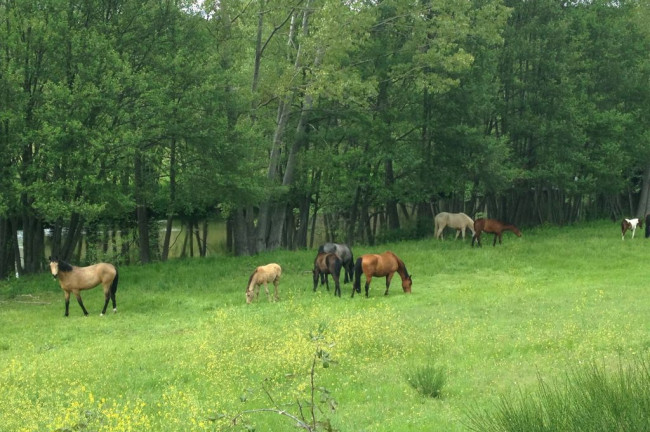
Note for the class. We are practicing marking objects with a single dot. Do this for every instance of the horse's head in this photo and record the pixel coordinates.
(406, 284)
(250, 294)
(54, 267)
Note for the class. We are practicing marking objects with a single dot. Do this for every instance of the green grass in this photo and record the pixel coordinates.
(185, 352)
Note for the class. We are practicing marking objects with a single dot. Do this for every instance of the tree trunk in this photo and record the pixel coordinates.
(141, 210)
(644, 199)
(172, 200)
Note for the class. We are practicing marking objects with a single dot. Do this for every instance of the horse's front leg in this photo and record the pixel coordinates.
(67, 302)
(388, 279)
(266, 289)
(81, 303)
(494, 243)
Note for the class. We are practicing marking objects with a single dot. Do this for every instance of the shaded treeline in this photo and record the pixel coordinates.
(365, 117)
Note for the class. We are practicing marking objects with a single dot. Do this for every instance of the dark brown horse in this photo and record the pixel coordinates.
(380, 265)
(74, 279)
(492, 226)
(324, 264)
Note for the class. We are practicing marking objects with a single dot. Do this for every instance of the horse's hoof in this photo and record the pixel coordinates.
(101, 314)
(115, 310)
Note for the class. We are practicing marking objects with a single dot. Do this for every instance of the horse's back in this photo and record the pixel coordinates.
(379, 264)
(270, 270)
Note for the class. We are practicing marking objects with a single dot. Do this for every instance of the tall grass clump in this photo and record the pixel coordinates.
(428, 380)
(590, 399)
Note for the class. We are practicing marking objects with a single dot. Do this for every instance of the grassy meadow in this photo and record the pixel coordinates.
(185, 352)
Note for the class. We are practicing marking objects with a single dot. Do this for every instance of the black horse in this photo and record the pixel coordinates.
(345, 255)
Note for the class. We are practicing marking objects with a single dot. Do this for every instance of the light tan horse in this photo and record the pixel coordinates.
(263, 275)
(459, 221)
(74, 279)
(385, 264)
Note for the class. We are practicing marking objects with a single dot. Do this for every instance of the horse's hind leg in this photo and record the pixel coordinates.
(107, 298)
(275, 284)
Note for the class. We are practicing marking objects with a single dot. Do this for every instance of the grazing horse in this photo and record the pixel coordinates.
(74, 279)
(380, 265)
(344, 253)
(459, 221)
(630, 224)
(263, 275)
(324, 264)
(492, 226)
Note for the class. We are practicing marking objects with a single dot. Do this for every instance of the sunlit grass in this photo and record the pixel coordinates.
(185, 352)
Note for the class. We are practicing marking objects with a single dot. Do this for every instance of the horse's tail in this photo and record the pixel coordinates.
(351, 265)
(357, 276)
(114, 283)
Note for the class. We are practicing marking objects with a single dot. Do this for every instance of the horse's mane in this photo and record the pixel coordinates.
(64, 266)
(250, 280)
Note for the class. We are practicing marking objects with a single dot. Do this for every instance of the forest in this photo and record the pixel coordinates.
(364, 116)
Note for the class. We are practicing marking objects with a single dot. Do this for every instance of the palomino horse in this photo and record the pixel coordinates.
(630, 224)
(492, 226)
(263, 275)
(345, 255)
(74, 279)
(459, 221)
(324, 264)
(380, 265)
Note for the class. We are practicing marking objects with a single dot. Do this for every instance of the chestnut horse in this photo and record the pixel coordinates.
(459, 221)
(492, 226)
(630, 224)
(324, 264)
(380, 265)
(263, 275)
(74, 279)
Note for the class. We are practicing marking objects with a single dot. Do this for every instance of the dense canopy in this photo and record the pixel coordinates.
(365, 116)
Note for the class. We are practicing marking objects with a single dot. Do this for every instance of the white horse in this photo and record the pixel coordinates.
(630, 224)
(459, 221)
(263, 275)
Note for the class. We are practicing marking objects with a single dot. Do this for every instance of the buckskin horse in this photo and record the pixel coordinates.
(492, 226)
(74, 279)
(263, 275)
(381, 265)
